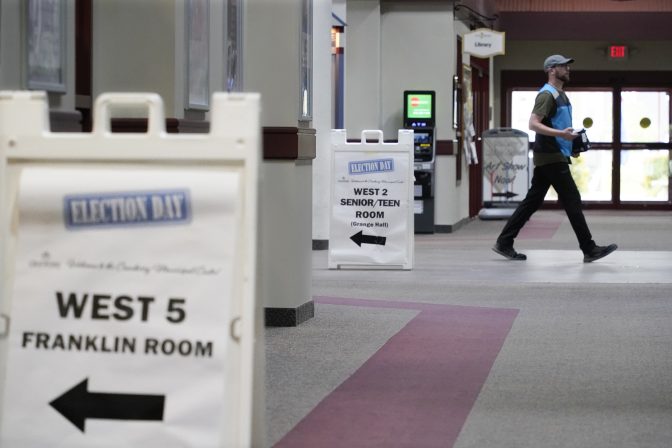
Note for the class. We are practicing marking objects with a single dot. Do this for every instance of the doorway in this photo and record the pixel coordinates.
(480, 86)
(628, 124)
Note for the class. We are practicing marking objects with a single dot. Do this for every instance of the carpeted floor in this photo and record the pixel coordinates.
(471, 350)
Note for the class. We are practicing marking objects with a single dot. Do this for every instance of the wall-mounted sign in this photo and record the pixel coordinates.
(484, 43)
(617, 52)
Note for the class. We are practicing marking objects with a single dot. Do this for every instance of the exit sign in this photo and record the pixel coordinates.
(618, 52)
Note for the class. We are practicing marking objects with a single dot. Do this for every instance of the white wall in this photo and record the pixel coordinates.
(447, 197)
(322, 115)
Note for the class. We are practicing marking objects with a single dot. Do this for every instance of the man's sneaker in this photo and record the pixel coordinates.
(598, 252)
(508, 252)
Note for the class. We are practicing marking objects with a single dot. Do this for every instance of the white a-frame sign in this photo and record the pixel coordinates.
(128, 277)
(371, 201)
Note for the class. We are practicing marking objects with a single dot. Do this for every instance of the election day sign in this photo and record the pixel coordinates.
(371, 202)
(128, 304)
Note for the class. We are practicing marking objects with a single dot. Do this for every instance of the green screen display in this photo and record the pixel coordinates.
(419, 106)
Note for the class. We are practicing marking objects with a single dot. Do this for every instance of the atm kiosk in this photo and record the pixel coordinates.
(419, 115)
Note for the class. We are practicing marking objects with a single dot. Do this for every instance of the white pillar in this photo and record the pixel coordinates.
(272, 67)
(322, 119)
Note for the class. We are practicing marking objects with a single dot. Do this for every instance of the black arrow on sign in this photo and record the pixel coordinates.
(507, 194)
(359, 238)
(78, 404)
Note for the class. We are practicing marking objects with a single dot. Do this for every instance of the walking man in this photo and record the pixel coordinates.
(551, 119)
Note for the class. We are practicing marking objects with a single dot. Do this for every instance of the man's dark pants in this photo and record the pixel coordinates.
(559, 176)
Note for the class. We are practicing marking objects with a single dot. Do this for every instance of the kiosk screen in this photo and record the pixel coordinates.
(419, 108)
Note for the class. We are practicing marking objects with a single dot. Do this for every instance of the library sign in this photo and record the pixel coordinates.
(484, 43)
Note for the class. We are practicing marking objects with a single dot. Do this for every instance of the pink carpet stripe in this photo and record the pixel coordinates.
(541, 228)
(418, 389)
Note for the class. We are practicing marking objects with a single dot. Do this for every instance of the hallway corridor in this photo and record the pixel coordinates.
(469, 350)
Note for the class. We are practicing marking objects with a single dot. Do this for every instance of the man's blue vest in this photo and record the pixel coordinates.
(562, 118)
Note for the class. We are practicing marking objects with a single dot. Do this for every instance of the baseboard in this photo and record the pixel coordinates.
(320, 244)
(451, 228)
(289, 317)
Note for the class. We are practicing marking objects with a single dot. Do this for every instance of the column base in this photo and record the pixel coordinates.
(289, 317)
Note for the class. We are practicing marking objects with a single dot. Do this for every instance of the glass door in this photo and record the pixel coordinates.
(645, 150)
(629, 163)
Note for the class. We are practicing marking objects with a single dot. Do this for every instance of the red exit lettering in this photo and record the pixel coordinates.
(618, 51)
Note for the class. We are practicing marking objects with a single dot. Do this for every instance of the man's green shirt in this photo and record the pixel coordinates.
(544, 105)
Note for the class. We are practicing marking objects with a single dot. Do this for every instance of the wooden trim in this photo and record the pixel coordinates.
(83, 58)
(587, 26)
(279, 143)
(83, 48)
(445, 148)
(173, 126)
(371, 140)
(289, 143)
(457, 151)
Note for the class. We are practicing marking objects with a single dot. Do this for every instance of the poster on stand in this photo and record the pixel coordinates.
(505, 166)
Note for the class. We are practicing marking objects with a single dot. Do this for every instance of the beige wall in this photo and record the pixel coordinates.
(271, 59)
(134, 49)
(362, 67)
(322, 117)
(11, 57)
(530, 55)
(394, 46)
(418, 52)
(141, 47)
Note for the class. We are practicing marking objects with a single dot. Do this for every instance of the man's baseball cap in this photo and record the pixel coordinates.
(556, 59)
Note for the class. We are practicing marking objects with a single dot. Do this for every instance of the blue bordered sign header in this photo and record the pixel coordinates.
(371, 166)
(127, 208)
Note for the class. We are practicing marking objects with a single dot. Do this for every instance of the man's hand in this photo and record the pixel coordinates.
(539, 127)
(568, 134)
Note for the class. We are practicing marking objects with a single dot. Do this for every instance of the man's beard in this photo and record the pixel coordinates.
(564, 77)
